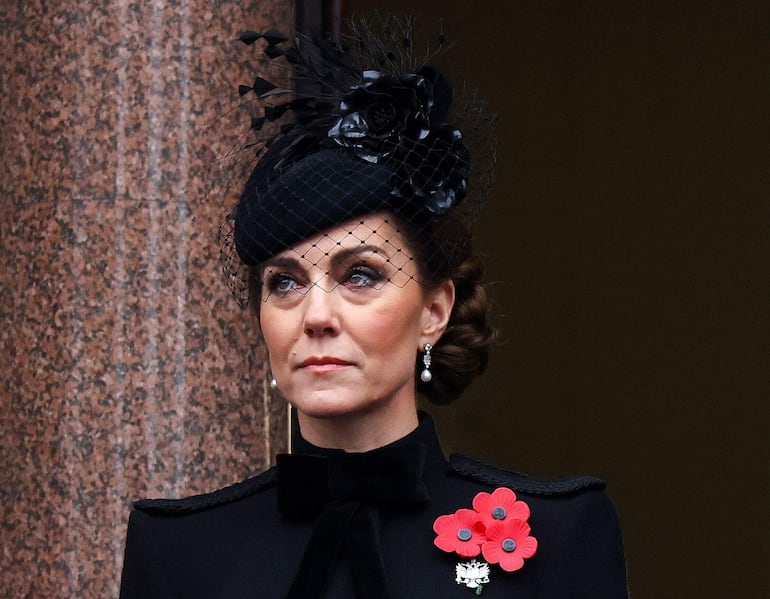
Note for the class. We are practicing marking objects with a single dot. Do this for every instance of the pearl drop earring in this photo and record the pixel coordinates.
(425, 375)
(273, 384)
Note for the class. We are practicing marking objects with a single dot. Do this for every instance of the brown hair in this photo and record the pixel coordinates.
(463, 350)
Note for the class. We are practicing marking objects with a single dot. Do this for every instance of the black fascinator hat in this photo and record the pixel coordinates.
(369, 128)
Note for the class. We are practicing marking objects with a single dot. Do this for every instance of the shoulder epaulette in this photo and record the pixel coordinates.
(198, 503)
(522, 483)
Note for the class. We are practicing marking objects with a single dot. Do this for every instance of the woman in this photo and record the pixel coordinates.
(354, 231)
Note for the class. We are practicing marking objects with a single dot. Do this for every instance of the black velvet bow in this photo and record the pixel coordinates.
(306, 483)
(347, 489)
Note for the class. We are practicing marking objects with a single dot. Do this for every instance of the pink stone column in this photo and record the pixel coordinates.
(127, 370)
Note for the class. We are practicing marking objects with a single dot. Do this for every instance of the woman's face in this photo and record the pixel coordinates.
(343, 317)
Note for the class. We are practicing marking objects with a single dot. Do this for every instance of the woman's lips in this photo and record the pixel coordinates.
(323, 364)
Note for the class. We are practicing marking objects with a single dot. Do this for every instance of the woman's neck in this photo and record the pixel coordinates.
(360, 431)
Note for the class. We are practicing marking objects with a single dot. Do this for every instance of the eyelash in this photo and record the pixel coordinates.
(367, 277)
(277, 279)
(372, 276)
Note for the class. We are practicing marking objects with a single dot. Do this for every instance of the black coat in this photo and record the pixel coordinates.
(235, 543)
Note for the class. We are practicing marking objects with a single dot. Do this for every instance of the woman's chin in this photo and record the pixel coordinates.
(348, 398)
(333, 402)
(327, 407)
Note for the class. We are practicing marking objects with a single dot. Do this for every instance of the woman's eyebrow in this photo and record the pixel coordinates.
(346, 254)
(280, 262)
(339, 256)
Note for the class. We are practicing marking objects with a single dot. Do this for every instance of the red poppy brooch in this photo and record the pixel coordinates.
(496, 528)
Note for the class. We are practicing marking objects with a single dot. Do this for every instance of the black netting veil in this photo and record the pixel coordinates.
(372, 147)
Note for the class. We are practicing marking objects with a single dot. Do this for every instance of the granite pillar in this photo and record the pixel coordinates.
(127, 370)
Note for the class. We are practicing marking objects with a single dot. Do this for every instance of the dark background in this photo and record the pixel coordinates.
(627, 240)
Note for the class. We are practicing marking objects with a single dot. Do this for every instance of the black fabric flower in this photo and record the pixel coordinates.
(378, 114)
(434, 169)
(390, 120)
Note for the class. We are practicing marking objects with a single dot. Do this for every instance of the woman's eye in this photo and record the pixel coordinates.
(363, 277)
(281, 284)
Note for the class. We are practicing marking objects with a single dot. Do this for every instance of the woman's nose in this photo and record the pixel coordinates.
(320, 317)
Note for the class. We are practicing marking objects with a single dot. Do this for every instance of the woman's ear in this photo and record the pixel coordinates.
(439, 301)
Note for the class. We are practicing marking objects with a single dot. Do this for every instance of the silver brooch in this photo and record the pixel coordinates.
(472, 574)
